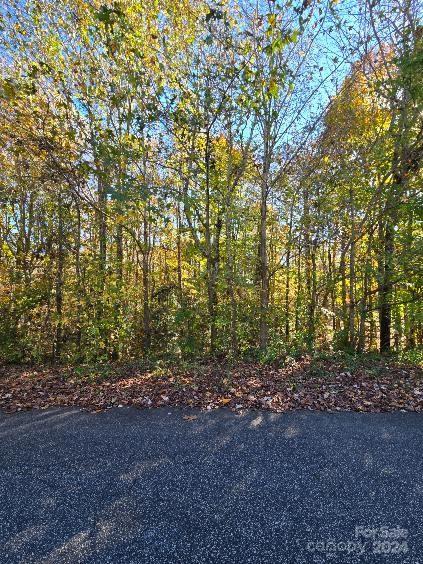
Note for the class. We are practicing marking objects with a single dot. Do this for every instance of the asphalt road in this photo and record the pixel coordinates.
(150, 487)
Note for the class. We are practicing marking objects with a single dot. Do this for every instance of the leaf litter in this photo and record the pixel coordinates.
(325, 385)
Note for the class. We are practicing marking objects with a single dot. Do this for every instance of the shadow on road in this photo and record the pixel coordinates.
(150, 486)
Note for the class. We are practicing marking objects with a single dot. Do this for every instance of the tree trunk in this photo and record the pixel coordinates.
(343, 274)
(351, 292)
(212, 252)
(288, 275)
(102, 258)
(363, 302)
(263, 259)
(78, 279)
(230, 271)
(310, 273)
(146, 282)
(59, 280)
(298, 297)
(387, 243)
(179, 254)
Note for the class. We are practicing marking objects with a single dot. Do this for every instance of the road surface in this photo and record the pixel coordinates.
(133, 486)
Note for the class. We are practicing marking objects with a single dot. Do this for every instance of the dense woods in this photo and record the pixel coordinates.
(190, 178)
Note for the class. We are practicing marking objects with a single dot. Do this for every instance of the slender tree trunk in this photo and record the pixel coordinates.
(212, 252)
(298, 297)
(59, 280)
(146, 282)
(212, 300)
(387, 243)
(179, 254)
(263, 258)
(102, 233)
(119, 258)
(313, 301)
(310, 274)
(372, 326)
(211, 292)
(351, 292)
(288, 276)
(363, 302)
(398, 328)
(230, 270)
(102, 259)
(343, 273)
(332, 289)
(78, 279)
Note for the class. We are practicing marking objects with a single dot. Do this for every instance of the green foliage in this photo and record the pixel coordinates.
(94, 372)
(163, 162)
(413, 356)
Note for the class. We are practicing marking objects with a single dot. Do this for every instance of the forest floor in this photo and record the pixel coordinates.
(326, 383)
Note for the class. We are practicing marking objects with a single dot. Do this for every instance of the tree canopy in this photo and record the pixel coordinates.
(236, 178)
